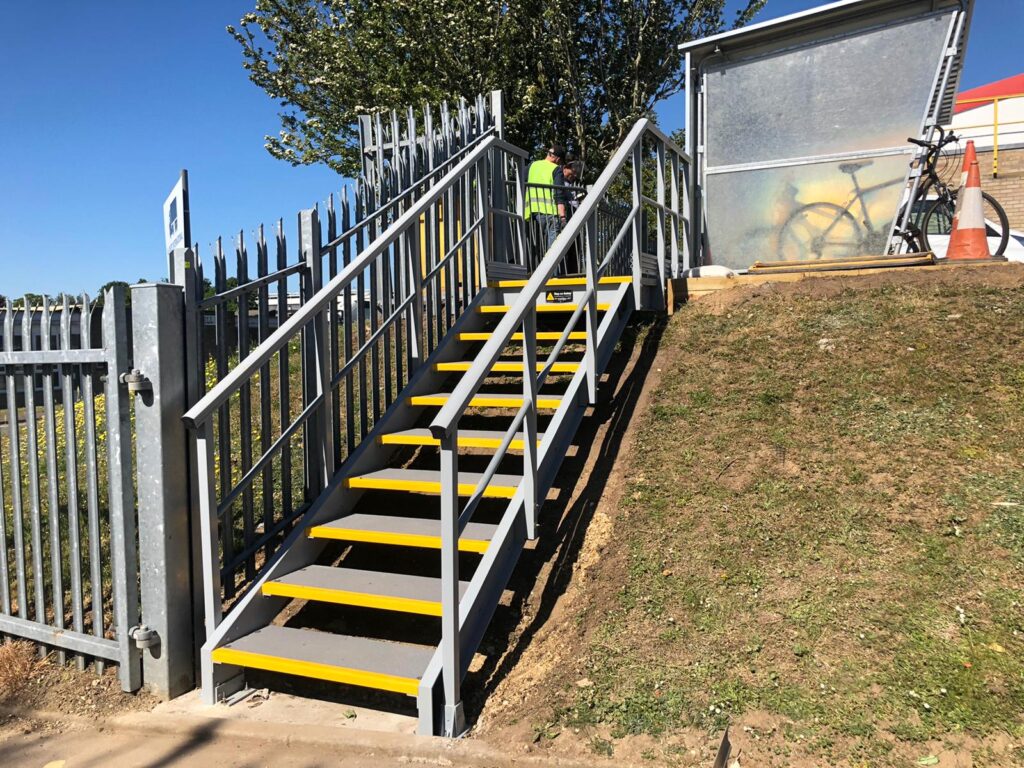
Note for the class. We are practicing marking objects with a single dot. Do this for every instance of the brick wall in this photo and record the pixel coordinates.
(1008, 189)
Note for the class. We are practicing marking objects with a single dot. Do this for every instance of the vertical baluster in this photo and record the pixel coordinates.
(430, 225)
(400, 292)
(47, 372)
(530, 497)
(13, 434)
(637, 180)
(687, 220)
(266, 394)
(374, 290)
(660, 216)
(346, 255)
(284, 376)
(220, 280)
(332, 314)
(360, 321)
(92, 482)
(590, 353)
(32, 447)
(71, 470)
(385, 313)
(245, 408)
(208, 521)
(10, 412)
(674, 218)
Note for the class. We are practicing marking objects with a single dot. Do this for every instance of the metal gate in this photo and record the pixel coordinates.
(68, 544)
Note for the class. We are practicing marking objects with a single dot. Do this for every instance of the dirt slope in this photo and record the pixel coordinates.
(812, 530)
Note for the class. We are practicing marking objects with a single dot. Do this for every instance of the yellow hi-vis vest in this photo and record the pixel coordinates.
(540, 197)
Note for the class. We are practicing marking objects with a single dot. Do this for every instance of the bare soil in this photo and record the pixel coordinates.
(812, 532)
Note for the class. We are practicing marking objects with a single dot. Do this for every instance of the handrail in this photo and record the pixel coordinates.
(469, 384)
(260, 356)
(994, 125)
(582, 234)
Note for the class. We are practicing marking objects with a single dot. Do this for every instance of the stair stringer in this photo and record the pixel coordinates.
(477, 606)
(255, 610)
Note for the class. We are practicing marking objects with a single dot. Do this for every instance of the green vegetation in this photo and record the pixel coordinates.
(581, 71)
(822, 530)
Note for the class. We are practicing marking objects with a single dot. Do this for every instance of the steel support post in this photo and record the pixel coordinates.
(165, 536)
(451, 673)
(530, 500)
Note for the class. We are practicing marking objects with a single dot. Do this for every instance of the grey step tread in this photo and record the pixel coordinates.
(342, 652)
(406, 526)
(391, 474)
(381, 583)
(421, 434)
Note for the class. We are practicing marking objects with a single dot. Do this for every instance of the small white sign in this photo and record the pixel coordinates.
(176, 224)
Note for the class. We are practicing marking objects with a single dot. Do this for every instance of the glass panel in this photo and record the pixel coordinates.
(861, 92)
(804, 212)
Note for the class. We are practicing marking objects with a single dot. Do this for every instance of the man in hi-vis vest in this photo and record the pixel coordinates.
(546, 194)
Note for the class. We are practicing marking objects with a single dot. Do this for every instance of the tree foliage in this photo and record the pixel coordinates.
(576, 71)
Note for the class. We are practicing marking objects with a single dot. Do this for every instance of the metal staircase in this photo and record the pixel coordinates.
(427, 514)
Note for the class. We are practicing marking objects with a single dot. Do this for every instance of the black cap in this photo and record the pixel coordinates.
(557, 150)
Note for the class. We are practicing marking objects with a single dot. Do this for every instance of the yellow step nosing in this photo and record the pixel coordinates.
(428, 487)
(464, 442)
(494, 309)
(543, 403)
(396, 539)
(378, 680)
(360, 599)
(504, 367)
(563, 281)
(518, 336)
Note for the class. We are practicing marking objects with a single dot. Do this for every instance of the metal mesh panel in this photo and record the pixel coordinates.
(865, 91)
(805, 212)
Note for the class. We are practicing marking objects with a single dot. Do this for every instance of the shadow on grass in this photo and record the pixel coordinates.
(563, 519)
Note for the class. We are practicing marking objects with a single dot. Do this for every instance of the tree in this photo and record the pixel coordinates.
(581, 71)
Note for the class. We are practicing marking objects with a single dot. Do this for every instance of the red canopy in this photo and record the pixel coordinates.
(1008, 87)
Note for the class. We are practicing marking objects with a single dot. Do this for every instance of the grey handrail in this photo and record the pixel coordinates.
(469, 384)
(260, 356)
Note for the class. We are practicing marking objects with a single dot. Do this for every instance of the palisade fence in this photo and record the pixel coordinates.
(265, 466)
(67, 500)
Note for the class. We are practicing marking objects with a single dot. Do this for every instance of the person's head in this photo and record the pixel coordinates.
(569, 167)
(556, 153)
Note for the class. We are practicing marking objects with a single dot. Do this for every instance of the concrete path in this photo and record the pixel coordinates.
(185, 733)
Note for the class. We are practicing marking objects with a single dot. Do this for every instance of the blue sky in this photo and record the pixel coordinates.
(104, 103)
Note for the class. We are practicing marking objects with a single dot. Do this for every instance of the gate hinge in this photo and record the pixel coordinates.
(136, 381)
(144, 636)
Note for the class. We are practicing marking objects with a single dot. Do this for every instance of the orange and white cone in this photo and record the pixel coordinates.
(969, 241)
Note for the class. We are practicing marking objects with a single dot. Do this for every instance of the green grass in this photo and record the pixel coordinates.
(835, 538)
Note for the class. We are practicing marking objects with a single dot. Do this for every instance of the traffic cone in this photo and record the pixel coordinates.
(968, 242)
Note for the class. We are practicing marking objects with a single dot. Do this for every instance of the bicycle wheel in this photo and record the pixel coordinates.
(937, 225)
(819, 231)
